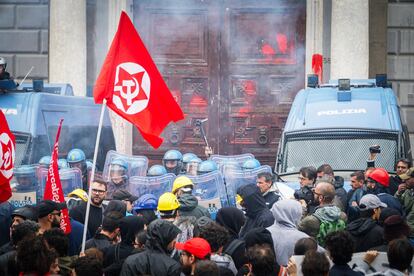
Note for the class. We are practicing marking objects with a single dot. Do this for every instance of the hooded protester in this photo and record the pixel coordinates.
(233, 219)
(116, 206)
(257, 213)
(115, 255)
(365, 231)
(189, 206)
(287, 214)
(155, 260)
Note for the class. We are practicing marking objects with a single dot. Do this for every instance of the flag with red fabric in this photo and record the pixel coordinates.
(53, 187)
(7, 153)
(317, 66)
(133, 87)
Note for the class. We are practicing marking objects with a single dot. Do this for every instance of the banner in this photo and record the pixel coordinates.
(7, 152)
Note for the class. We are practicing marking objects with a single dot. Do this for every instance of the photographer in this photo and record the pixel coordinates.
(307, 178)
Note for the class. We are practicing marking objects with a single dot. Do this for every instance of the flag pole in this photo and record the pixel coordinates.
(95, 155)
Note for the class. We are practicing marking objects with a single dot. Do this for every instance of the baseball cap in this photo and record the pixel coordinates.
(46, 207)
(369, 202)
(408, 174)
(26, 212)
(197, 246)
(122, 194)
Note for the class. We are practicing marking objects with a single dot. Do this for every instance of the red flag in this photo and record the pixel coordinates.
(133, 87)
(53, 188)
(7, 145)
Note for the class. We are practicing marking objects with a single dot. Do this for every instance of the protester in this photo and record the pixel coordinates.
(340, 247)
(257, 213)
(126, 197)
(168, 206)
(233, 219)
(326, 218)
(378, 181)
(146, 206)
(118, 206)
(56, 239)
(96, 207)
(109, 232)
(304, 245)
(206, 268)
(155, 260)
(193, 251)
(87, 266)
(217, 236)
(183, 188)
(6, 210)
(354, 195)
(395, 227)
(325, 173)
(269, 191)
(49, 214)
(261, 261)
(405, 195)
(314, 264)
(365, 231)
(307, 178)
(401, 167)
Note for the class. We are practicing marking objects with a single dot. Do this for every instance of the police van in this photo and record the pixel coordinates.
(336, 123)
(33, 115)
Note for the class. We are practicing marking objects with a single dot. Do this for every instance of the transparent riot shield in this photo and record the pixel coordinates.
(25, 186)
(237, 178)
(70, 178)
(210, 191)
(155, 185)
(226, 162)
(136, 165)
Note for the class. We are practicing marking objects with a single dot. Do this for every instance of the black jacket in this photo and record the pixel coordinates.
(343, 270)
(270, 199)
(340, 191)
(95, 216)
(257, 213)
(189, 207)
(155, 260)
(366, 234)
(99, 241)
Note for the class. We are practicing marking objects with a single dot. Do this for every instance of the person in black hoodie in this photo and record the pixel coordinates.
(365, 231)
(257, 213)
(233, 219)
(155, 259)
(115, 255)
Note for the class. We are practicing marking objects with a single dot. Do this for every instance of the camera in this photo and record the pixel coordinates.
(304, 193)
(375, 149)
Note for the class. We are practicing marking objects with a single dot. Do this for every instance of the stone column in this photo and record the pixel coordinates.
(122, 128)
(67, 44)
(318, 34)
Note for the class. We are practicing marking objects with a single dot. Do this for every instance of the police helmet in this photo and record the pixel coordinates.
(187, 157)
(25, 176)
(62, 163)
(76, 156)
(146, 202)
(156, 170)
(206, 167)
(118, 164)
(3, 62)
(173, 161)
(45, 161)
(251, 164)
(26, 212)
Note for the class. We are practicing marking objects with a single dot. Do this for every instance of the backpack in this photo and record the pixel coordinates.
(327, 227)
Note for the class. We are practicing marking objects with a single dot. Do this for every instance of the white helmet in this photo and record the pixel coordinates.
(3, 62)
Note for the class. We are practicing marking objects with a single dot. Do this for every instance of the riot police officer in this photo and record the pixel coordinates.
(187, 157)
(118, 175)
(206, 167)
(4, 75)
(173, 161)
(156, 170)
(77, 159)
(251, 164)
(26, 178)
(44, 162)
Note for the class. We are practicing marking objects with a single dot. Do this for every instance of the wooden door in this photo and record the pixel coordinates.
(237, 63)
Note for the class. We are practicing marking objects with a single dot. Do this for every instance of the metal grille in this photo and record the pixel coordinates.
(20, 150)
(343, 151)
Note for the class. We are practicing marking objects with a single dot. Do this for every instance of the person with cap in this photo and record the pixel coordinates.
(378, 181)
(168, 206)
(193, 251)
(365, 231)
(49, 214)
(183, 188)
(405, 195)
(76, 197)
(127, 197)
(155, 260)
(257, 213)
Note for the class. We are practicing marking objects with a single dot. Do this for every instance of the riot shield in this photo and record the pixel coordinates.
(155, 185)
(210, 190)
(25, 186)
(237, 178)
(226, 162)
(70, 178)
(136, 165)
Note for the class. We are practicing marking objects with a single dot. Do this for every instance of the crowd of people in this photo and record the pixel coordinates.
(173, 234)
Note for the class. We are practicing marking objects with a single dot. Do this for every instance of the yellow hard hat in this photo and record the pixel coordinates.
(168, 202)
(79, 193)
(180, 182)
(238, 199)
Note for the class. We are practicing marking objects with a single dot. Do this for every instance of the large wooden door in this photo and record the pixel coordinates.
(237, 63)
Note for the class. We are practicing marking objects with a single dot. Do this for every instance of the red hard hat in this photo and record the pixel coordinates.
(381, 176)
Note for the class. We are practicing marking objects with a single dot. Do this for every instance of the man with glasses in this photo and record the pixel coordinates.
(98, 195)
(49, 213)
